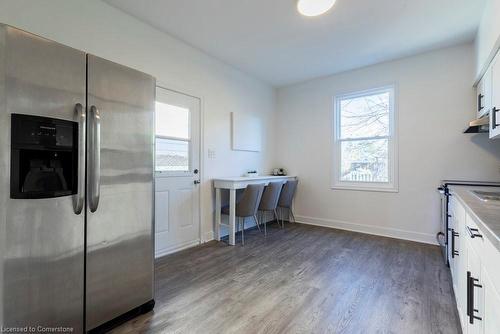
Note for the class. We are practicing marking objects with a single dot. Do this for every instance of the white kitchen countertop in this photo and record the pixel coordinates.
(486, 214)
(240, 182)
(250, 178)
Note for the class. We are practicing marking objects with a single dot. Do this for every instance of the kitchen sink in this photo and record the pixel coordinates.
(487, 195)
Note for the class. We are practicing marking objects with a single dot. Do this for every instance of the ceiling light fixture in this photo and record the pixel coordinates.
(314, 7)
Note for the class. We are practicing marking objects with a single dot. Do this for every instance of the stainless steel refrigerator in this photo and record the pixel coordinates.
(76, 196)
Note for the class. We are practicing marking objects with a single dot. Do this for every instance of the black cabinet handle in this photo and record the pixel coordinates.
(474, 233)
(453, 251)
(494, 117)
(468, 293)
(471, 284)
(479, 102)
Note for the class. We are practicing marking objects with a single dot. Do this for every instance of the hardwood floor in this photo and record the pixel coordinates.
(303, 279)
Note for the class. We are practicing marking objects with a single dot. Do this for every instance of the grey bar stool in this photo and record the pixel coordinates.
(286, 198)
(247, 206)
(269, 201)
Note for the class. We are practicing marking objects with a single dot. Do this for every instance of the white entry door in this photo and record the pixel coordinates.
(177, 200)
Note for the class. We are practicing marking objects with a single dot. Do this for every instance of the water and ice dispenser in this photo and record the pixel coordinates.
(44, 157)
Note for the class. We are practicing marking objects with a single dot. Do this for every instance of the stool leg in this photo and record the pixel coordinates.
(276, 216)
(265, 228)
(243, 231)
(293, 216)
(282, 225)
(259, 216)
(257, 222)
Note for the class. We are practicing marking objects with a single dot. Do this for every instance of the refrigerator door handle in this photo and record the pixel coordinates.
(95, 158)
(82, 129)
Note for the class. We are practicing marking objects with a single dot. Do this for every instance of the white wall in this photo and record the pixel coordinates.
(100, 29)
(488, 35)
(435, 102)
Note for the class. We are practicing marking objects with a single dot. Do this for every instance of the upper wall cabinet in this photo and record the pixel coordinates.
(495, 98)
(484, 91)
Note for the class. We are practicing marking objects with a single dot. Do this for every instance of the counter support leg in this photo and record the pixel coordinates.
(232, 217)
(218, 208)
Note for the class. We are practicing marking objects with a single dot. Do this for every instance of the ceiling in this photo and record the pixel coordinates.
(270, 40)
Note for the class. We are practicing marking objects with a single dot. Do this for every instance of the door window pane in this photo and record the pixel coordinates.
(172, 121)
(172, 155)
(172, 138)
(365, 160)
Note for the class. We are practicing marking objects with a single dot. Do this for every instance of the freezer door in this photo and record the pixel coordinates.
(41, 240)
(119, 259)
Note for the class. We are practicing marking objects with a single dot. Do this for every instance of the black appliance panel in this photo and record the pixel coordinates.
(44, 157)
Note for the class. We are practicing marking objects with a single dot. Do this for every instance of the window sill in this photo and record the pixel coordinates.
(361, 188)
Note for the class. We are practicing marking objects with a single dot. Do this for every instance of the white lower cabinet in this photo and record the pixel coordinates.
(461, 272)
(474, 277)
(474, 290)
(458, 256)
(491, 305)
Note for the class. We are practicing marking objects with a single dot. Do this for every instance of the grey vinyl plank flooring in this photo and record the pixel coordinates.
(303, 279)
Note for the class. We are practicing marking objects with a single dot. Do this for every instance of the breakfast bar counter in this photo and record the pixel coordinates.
(232, 184)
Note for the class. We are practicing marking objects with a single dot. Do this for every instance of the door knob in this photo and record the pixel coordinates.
(195, 171)
(197, 182)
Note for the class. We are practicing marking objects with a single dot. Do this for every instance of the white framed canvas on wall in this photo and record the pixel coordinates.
(246, 132)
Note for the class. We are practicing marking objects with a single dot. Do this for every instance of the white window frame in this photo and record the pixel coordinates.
(189, 172)
(392, 184)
